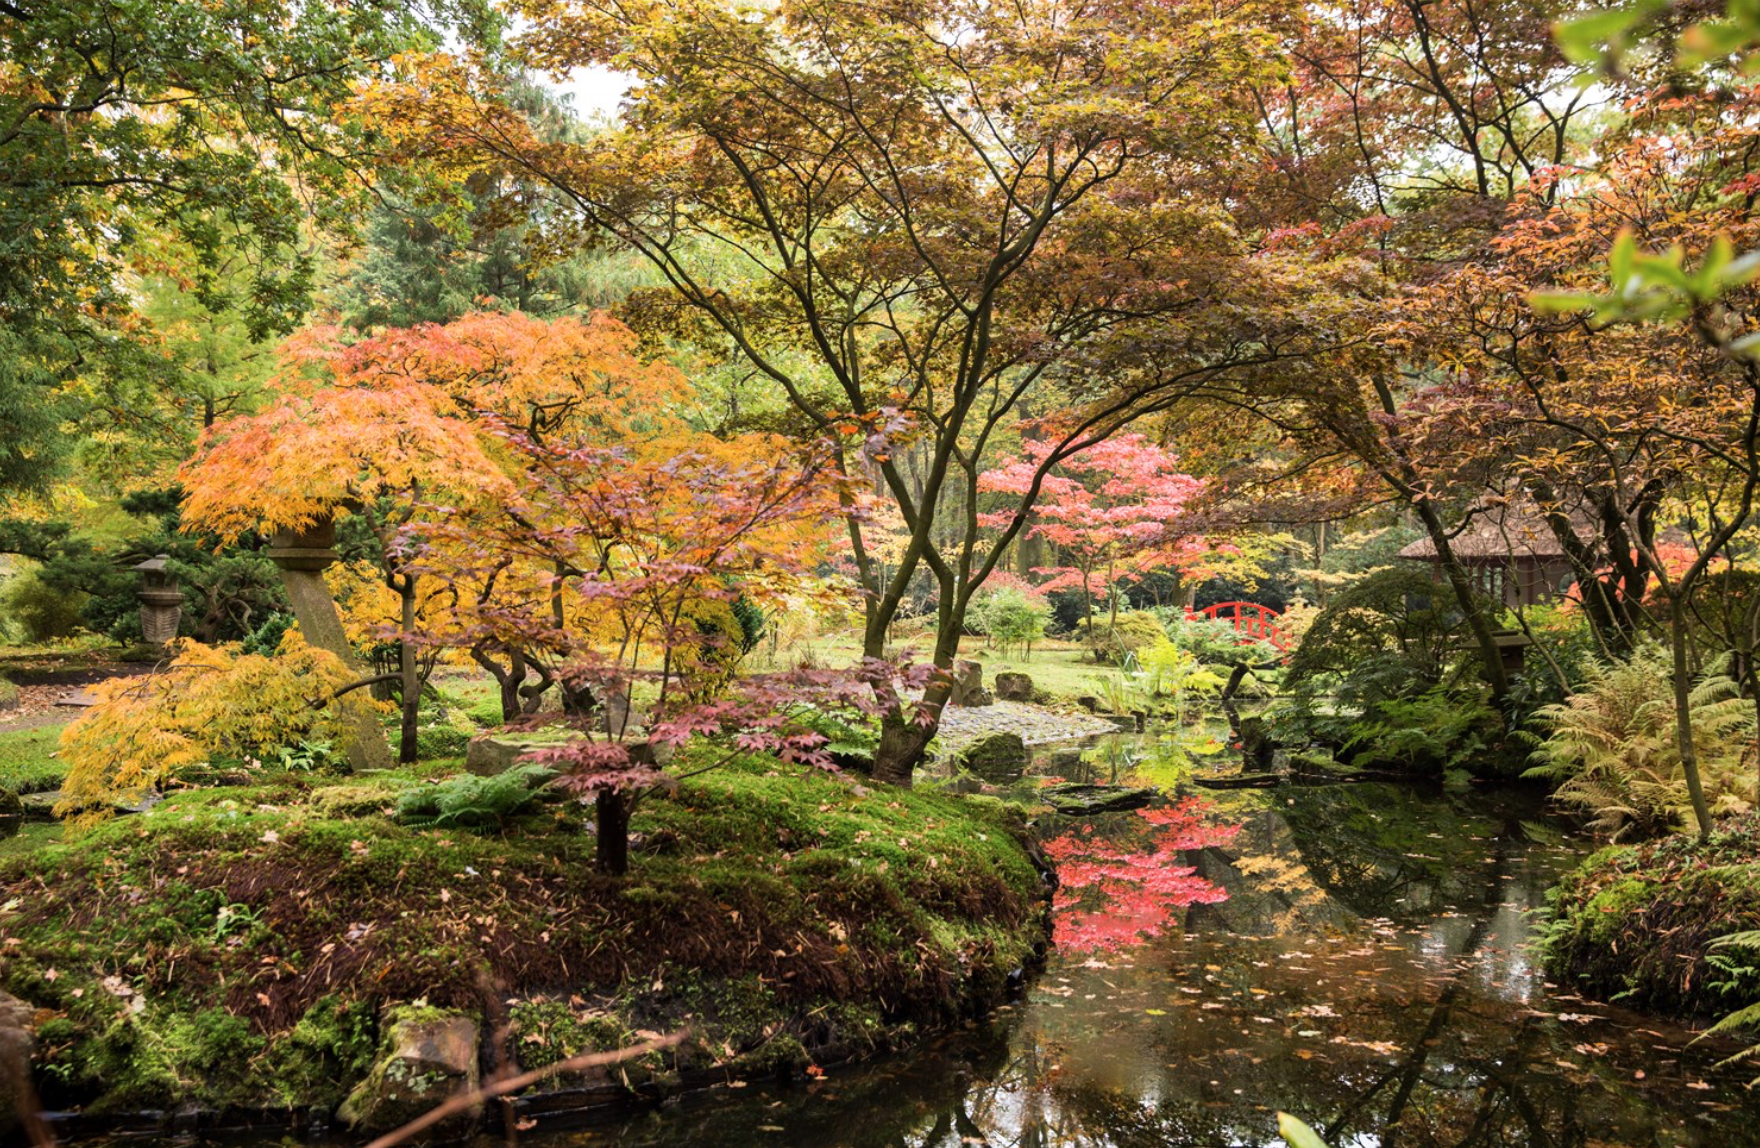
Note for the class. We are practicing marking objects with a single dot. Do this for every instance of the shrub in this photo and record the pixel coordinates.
(1012, 617)
(1131, 631)
(1437, 730)
(1612, 747)
(1395, 623)
(212, 701)
(1214, 640)
(473, 802)
(36, 612)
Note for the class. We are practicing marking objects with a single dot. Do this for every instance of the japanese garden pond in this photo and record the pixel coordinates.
(1360, 955)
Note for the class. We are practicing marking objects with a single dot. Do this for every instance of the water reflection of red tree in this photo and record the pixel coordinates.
(1122, 886)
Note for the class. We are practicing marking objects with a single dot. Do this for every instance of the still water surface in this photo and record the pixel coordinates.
(1371, 970)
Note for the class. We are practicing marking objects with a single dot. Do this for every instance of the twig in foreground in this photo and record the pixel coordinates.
(515, 1083)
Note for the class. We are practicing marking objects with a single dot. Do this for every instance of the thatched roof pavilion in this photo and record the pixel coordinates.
(1512, 555)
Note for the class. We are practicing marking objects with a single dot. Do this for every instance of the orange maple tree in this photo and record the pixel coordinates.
(386, 427)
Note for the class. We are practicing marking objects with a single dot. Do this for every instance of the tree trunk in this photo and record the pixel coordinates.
(903, 740)
(1463, 592)
(1683, 716)
(407, 676)
(611, 853)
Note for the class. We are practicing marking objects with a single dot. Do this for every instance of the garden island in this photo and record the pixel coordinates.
(1086, 572)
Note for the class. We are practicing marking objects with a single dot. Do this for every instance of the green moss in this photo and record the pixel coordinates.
(1636, 923)
(293, 910)
(27, 760)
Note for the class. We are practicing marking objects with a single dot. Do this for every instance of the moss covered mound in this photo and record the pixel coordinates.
(1635, 923)
(236, 947)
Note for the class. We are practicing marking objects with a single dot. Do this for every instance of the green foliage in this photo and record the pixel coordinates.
(34, 612)
(1613, 751)
(469, 801)
(1392, 633)
(1437, 730)
(1010, 617)
(848, 733)
(1130, 632)
(266, 638)
(1386, 659)
(306, 756)
(1214, 641)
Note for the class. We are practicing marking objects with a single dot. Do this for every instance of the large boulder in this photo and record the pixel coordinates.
(17, 1043)
(488, 754)
(1079, 800)
(426, 1056)
(1014, 687)
(968, 686)
(995, 757)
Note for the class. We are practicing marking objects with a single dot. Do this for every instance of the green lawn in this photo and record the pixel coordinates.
(1063, 670)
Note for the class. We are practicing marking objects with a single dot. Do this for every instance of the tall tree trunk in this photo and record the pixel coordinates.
(1469, 604)
(1683, 715)
(408, 679)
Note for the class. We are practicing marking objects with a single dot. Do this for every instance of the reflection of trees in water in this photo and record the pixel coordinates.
(1392, 851)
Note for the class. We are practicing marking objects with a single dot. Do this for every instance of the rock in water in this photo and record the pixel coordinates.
(1079, 800)
(425, 1057)
(996, 757)
(1014, 687)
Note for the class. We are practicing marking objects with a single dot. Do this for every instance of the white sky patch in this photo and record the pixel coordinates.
(594, 92)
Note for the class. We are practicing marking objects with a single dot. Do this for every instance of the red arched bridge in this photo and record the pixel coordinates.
(1251, 620)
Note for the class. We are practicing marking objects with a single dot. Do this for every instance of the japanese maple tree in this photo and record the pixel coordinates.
(607, 567)
(381, 427)
(1115, 511)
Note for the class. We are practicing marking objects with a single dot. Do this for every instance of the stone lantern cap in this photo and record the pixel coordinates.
(158, 589)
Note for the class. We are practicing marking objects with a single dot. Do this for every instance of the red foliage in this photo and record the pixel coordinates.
(1117, 510)
(1113, 895)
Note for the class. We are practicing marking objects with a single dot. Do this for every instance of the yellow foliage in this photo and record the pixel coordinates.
(212, 701)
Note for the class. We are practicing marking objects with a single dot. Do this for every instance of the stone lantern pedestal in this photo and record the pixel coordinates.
(302, 557)
(161, 601)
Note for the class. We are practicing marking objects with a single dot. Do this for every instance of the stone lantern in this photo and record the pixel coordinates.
(303, 556)
(161, 601)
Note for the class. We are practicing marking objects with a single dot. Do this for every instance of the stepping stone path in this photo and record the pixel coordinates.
(1035, 725)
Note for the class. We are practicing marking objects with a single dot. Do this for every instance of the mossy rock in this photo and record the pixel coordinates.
(427, 1056)
(995, 757)
(1078, 800)
(9, 696)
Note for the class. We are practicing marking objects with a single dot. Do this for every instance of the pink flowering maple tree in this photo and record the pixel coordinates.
(1121, 889)
(1116, 511)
